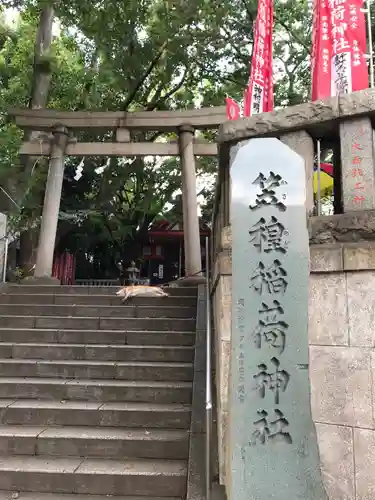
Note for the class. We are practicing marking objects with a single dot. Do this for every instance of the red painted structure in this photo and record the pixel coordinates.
(64, 268)
(163, 252)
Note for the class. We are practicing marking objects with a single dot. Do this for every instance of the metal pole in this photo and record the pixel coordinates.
(5, 259)
(319, 194)
(180, 260)
(208, 380)
(370, 53)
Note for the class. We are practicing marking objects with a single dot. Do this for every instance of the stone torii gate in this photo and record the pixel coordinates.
(57, 140)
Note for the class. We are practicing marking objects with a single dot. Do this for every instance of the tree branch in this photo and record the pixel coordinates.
(248, 11)
(298, 64)
(236, 82)
(154, 136)
(169, 94)
(147, 73)
(156, 97)
(121, 199)
(84, 101)
(108, 227)
(296, 37)
(234, 47)
(127, 200)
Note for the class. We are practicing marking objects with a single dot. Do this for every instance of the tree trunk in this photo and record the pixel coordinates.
(41, 82)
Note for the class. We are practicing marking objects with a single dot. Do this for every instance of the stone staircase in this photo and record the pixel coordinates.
(95, 396)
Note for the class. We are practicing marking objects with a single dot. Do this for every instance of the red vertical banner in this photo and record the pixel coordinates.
(321, 52)
(339, 48)
(233, 109)
(315, 47)
(269, 97)
(258, 97)
(247, 101)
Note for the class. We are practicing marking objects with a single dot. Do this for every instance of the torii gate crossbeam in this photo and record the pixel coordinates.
(55, 138)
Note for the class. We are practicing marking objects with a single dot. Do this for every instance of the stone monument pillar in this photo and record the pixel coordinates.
(193, 262)
(51, 207)
(273, 451)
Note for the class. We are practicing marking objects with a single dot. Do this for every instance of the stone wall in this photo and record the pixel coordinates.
(342, 357)
(342, 361)
(222, 311)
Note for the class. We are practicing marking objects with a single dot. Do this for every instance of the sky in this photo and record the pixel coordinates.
(11, 17)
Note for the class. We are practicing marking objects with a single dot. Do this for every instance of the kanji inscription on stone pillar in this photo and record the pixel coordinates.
(357, 164)
(272, 440)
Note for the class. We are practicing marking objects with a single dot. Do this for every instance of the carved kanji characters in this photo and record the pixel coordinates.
(268, 236)
(267, 196)
(275, 381)
(271, 279)
(271, 329)
(274, 431)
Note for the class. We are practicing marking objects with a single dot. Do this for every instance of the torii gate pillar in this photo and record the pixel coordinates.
(51, 207)
(193, 261)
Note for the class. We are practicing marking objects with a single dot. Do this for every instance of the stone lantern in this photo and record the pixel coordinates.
(132, 274)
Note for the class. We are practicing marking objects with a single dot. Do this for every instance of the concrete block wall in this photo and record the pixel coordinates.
(342, 362)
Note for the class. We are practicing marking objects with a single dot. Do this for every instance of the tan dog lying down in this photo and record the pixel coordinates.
(140, 291)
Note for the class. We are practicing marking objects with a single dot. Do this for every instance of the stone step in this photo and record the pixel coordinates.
(123, 324)
(80, 413)
(25, 495)
(177, 354)
(95, 300)
(113, 337)
(128, 370)
(94, 442)
(119, 311)
(86, 290)
(95, 390)
(153, 478)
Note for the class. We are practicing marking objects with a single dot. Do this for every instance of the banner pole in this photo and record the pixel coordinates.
(371, 52)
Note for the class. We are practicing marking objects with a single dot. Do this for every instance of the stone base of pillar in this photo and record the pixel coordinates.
(189, 281)
(40, 280)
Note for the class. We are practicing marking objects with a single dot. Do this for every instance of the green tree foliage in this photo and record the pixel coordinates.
(131, 55)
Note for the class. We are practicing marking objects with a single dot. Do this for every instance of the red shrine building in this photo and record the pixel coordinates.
(163, 253)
